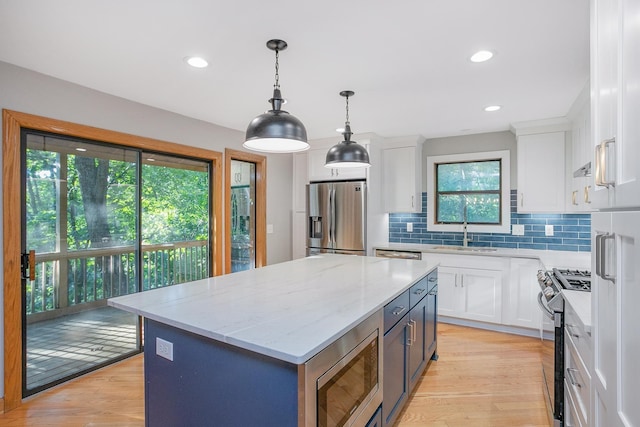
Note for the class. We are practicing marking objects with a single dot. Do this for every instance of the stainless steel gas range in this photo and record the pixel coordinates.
(550, 300)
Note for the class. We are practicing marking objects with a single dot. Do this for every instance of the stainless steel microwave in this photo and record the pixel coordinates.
(343, 383)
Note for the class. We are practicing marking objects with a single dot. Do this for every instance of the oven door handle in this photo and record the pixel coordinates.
(550, 314)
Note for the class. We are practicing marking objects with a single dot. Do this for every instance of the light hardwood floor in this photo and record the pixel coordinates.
(481, 379)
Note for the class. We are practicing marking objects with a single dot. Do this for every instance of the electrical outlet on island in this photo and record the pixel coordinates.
(548, 230)
(409, 227)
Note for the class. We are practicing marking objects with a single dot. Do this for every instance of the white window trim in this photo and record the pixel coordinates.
(505, 193)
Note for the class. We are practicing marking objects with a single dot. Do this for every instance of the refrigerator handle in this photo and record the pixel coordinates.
(332, 223)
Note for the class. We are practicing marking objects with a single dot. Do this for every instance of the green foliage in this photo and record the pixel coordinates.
(471, 188)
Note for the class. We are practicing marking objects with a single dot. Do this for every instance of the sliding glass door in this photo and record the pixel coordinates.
(100, 221)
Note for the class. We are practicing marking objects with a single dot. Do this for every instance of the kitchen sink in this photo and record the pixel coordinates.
(464, 248)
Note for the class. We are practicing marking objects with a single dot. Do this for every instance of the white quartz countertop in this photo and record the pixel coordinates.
(550, 259)
(581, 303)
(289, 311)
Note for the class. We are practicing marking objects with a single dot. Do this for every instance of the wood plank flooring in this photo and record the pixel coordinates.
(481, 379)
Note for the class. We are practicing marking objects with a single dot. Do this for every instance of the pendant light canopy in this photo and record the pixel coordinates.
(347, 154)
(276, 131)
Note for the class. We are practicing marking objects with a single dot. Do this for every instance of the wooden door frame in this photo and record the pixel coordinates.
(260, 204)
(13, 122)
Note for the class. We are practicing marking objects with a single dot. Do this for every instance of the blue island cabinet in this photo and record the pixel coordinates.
(210, 383)
(409, 342)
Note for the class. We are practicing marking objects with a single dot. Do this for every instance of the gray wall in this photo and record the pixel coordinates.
(475, 143)
(33, 93)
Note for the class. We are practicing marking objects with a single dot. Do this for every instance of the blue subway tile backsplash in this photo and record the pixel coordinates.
(572, 232)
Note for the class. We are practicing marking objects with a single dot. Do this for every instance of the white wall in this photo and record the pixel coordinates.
(493, 141)
(33, 93)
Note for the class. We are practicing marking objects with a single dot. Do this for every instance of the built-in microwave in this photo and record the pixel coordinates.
(343, 384)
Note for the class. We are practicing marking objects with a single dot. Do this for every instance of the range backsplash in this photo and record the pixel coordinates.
(572, 232)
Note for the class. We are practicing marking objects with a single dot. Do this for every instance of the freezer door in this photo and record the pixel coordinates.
(319, 211)
(349, 227)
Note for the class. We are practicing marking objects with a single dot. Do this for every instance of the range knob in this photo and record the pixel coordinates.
(548, 292)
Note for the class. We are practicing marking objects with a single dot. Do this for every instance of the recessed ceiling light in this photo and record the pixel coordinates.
(492, 108)
(81, 149)
(196, 61)
(481, 56)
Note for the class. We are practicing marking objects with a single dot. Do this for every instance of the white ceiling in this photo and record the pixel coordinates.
(406, 60)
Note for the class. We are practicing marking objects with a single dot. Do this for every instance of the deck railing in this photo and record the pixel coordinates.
(70, 279)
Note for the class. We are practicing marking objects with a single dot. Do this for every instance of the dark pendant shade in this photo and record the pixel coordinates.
(276, 131)
(347, 154)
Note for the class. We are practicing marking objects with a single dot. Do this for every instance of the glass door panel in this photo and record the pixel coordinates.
(243, 215)
(175, 220)
(79, 214)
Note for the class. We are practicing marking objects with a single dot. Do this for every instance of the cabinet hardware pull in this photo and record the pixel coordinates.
(432, 279)
(601, 259)
(462, 280)
(398, 310)
(412, 333)
(455, 280)
(412, 201)
(586, 194)
(572, 378)
(574, 194)
(601, 164)
(419, 291)
(521, 199)
(570, 330)
(415, 330)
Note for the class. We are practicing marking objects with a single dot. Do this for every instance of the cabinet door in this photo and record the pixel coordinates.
(396, 385)
(417, 334)
(317, 171)
(541, 172)
(482, 290)
(616, 379)
(431, 326)
(400, 192)
(627, 189)
(521, 308)
(448, 297)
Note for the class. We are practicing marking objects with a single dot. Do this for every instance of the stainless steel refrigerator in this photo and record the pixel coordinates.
(337, 217)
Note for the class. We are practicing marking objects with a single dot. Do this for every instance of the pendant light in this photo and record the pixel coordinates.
(347, 154)
(276, 131)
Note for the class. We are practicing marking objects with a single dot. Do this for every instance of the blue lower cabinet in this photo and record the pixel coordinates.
(395, 359)
(408, 345)
(376, 420)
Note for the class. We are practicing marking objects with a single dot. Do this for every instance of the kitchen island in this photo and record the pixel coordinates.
(231, 346)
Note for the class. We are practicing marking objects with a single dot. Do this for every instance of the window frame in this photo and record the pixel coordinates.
(503, 156)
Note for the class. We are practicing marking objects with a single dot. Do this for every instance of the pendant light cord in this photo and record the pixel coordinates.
(347, 121)
(277, 83)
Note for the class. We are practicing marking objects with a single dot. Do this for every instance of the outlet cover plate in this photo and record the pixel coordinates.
(548, 230)
(517, 230)
(164, 349)
(409, 227)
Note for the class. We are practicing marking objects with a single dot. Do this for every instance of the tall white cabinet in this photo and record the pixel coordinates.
(615, 89)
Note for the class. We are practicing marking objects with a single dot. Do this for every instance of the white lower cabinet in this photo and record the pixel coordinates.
(471, 293)
(521, 293)
(577, 379)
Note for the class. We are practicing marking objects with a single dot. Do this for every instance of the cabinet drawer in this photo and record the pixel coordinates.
(572, 416)
(575, 332)
(418, 291)
(577, 381)
(395, 310)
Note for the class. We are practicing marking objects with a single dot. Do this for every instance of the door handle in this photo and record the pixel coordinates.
(28, 262)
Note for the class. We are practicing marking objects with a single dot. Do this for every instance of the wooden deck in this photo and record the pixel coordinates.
(76, 343)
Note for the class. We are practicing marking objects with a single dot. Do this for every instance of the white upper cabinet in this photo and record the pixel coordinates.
(402, 175)
(579, 165)
(615, 88)
(541, 172)
(317, 172)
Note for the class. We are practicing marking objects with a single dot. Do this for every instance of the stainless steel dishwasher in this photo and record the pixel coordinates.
(401, 254)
